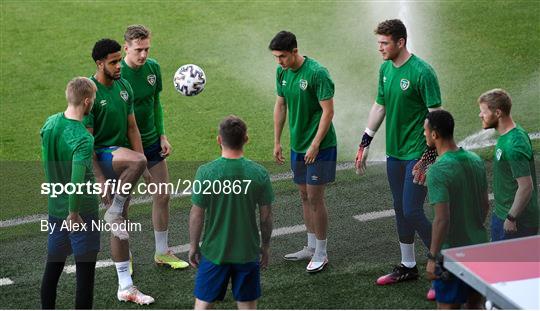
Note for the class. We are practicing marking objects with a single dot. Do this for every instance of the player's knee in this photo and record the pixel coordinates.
(162, 199)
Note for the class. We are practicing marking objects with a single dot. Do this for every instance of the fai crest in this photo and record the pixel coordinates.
(498, 154)
(303, 84)
(124, 95)
(404, 83)
(151, 79)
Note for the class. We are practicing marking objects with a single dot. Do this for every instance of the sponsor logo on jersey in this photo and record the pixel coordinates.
(404, 83)
(283, 83)
(151, 79)
(498, 154)
(303, 84)
(103, 102)
(124, 95)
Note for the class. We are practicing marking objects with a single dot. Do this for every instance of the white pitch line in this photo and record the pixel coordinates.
(6, 281)
(374, 215)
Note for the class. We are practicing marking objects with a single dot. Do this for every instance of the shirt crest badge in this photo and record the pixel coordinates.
(498, 154)
(404, 84)
(151, 79)
(303, 84)
(124, 95)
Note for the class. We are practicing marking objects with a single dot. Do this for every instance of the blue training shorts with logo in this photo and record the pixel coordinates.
(62, 242)
(212, 280)
(105, 159)
(452, 291)
(153, 154)
(321, 172)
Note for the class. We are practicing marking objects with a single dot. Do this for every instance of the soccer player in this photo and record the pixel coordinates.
(408, 89)
(113, 125)
(457, 187)
(67, 150)
(305, 90)
(515, 187)
(231, 244)
(144, 76)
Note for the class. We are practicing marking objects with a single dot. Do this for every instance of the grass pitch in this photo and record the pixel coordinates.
(473, 46)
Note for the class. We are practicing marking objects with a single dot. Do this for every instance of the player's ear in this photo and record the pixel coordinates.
(246, 139)
(218, 139)
(295, 50)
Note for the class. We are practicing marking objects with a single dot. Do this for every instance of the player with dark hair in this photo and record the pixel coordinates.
(231, 243)
(408, 89)
(67, 150)
(144, 76)
(306, 91)
(457, 187)
(119, 154)
(515, 185)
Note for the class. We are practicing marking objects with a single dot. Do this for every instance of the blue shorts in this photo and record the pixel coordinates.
(105, 160)
(153, 154)
(452, 291)
(212, 280)
(62, 242)
(321, 172)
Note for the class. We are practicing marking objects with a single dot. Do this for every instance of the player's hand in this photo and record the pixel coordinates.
(510, 226)
(166, 147)
(194, 257)
(278, 154)
(420, 168)
(360, 162)
(265, 257)
(430, 270)
(73, 218)
(311, 154)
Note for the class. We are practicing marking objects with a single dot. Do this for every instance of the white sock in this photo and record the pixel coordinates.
(124, 278)
(311, 240)
(162, 241)
(117, 206)
(407, 255)
(320, 248)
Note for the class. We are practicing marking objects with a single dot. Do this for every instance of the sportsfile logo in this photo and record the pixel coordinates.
(113, 186)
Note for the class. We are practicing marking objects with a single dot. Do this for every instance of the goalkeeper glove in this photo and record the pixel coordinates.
(421, 167)
(362, 154)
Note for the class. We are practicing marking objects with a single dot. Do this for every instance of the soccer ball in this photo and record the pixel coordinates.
(189, 80)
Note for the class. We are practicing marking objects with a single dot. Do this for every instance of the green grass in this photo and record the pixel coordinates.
(473, 46)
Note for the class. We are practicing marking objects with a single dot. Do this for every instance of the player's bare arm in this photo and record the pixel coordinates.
(265, 214)
(441, 223)
(324, 125)
(280, 114)
(521, 200)
(375, 119)
(196, 218)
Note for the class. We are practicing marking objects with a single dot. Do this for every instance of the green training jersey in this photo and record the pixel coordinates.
(459, 179)
(231, 235)
(514, 158)
(109, 115)
(303, 90)
(407, 92)
(146, 84)
(65, 142)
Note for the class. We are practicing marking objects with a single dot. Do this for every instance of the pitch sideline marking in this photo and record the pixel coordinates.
(6, 281)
